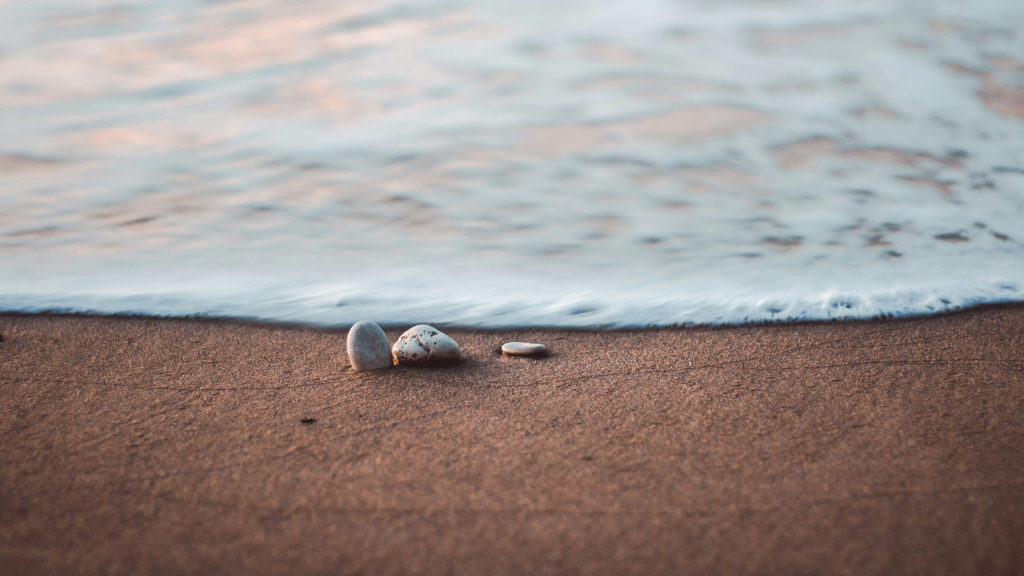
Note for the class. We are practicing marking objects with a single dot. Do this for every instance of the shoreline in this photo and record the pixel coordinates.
(171, 445)
(246, 321)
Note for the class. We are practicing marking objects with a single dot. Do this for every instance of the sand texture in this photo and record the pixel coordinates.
(148, 446)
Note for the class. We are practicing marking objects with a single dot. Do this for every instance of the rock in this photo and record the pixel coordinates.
(523, 349)
(368, 347)
(424, 343)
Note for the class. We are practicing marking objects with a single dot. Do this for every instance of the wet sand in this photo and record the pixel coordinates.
(133, 445)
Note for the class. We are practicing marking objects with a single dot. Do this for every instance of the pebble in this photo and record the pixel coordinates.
(424, 343)
(523, 348)
(368, 347)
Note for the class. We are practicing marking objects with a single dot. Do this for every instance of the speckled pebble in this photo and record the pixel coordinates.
(424, 343)
(368, 347)
(523, 349)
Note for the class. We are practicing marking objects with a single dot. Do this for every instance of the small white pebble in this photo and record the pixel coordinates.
(523, 348)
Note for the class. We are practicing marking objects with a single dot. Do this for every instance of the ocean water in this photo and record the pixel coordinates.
(498, 163)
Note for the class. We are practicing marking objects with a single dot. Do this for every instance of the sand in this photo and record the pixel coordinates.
(154, 446)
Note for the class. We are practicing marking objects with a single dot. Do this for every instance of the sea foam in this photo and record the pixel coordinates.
(498, 163)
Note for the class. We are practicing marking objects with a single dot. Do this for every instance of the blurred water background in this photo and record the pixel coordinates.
(499, 162)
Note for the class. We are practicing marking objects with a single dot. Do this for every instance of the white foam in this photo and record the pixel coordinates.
(597, 163)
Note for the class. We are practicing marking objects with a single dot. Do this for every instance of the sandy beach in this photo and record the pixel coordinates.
(175, 446)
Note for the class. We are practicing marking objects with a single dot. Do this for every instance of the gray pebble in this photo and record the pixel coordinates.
(368, 347)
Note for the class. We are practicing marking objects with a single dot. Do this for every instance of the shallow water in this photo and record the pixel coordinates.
(580, 163)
